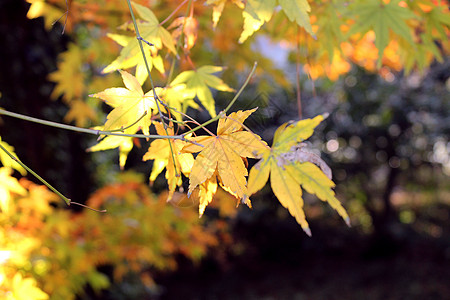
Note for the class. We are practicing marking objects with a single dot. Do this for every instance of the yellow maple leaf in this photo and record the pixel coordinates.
(223, 153)
(207, 190)
(131, 56)
(69, 77)
(152, 31)
(256, 13)
(25, 288)
(124, 143)
(129, 105)
(179, 98)
(198, 83)
(80, 112)
(7, 161)
(160, 151)
(8, 185)
(289, 170)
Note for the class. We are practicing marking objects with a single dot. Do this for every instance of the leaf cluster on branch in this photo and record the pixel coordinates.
(376, 34)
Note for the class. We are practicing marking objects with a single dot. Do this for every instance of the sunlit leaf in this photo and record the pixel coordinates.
(289, 169)
(131, 105)
(198, 83)
(7, 161)
(222, 155)
(297, 10)
(256, 13)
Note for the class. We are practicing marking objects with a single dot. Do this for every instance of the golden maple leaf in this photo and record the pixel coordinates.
(160, 152)
(222, 155)
(289, 167)
(129, 105)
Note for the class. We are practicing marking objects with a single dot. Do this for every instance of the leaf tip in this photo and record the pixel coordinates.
(325, 115)
(347, 221)
(307, 230)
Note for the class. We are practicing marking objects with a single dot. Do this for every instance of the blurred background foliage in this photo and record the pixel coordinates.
(386, 140)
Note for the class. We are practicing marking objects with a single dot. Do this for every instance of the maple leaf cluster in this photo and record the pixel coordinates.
(370, 33)
(221, 158)
(216, 159)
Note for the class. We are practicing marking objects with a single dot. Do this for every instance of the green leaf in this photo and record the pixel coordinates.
(297, 10)
(381, 18)
(198, 83)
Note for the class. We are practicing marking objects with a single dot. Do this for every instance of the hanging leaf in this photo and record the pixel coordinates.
(160, 152)
(256, 13)
(290, 167)
(125, 144)
(298, 10)
(381, 18)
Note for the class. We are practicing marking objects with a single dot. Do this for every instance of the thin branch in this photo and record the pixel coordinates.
(139, 38)
(67, 200)
(223, 112)
(173, 12)
(89, 131)
(297, 81)
(66, 13)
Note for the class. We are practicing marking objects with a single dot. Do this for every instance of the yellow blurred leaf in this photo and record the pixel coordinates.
(7, 161)
(188, 26)
(26, 289)
(81, 113)
(69, 77)
(8, 185)
(218, 6)
(297, 10)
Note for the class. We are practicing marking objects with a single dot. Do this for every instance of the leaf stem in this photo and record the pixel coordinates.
(67, 200)
(223, 112)
(139, 38)
(297, 81)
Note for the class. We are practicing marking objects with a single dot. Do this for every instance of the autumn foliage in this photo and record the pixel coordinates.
(171, 57)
